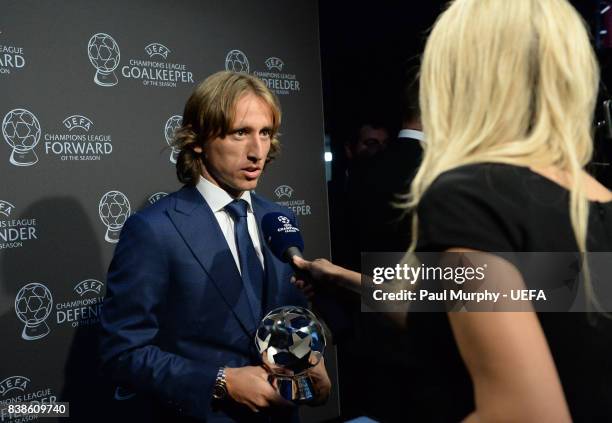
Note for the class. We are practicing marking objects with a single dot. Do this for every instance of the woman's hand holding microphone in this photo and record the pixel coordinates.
(321, 274)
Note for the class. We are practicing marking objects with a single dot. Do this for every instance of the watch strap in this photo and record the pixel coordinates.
(220, 387)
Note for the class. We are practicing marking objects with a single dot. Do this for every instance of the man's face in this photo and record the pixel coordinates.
(235, 162)
(370, 142)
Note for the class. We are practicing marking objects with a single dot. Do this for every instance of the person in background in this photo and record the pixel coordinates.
(371, 138)
(378, 184)
(365, 141)
(376, 223)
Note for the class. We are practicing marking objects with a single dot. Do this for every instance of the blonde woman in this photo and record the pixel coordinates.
(508, 89)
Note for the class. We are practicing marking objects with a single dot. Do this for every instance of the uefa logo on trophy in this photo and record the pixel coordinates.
(172, 124)
(236, 61)
(33, 305)
(291, 340)
(21, 130)
(104, 55)
(114, 210)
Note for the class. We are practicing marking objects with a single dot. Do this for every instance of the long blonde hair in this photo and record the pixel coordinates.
(508, 81)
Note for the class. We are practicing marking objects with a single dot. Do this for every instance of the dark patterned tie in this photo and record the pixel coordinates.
(250, 266)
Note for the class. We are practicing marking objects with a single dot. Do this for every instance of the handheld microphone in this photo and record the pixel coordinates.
(284, 239)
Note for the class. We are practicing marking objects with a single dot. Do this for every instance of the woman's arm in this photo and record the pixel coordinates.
(511, 366)
(321, 270)
(506, 353)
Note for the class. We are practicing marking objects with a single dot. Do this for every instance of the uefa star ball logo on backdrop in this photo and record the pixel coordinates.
(6, 208)
(78, 144)
(154, 73)
(299, 207)
(281, 83)
(172, 124)
(77, 121)
(114, 210)
(236, 61)
(14, 390)
(157, 49)
(156, 197)
(21, 130)
(274, 63)
(33, 304)
(13, 383)
(104, 55)
(85, 310)
(283, 191)
(93, 286)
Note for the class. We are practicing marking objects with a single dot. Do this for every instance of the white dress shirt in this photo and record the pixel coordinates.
(217, 199)
(411, 133)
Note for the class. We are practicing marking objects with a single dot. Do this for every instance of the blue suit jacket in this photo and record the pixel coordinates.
(176, 310)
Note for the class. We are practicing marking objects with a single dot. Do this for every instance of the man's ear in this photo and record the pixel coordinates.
(198, 149)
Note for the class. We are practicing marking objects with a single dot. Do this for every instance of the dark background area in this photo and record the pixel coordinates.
(365, 48)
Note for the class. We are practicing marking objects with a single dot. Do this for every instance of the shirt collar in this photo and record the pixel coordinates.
(217, 198)
(411, 133)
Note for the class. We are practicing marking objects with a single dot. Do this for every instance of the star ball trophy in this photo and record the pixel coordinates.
(291, 340)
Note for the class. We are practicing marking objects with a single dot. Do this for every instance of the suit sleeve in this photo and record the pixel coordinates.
(131, 319)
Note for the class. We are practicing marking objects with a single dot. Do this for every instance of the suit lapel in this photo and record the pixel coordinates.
(196, 223)
(271, 281)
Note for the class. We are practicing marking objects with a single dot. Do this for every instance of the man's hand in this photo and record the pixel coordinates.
(249, 386)
(320, 383)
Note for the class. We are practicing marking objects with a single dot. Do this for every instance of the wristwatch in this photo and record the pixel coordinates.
(220, 388)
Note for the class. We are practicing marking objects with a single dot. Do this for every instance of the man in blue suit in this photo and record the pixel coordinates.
(192, 277)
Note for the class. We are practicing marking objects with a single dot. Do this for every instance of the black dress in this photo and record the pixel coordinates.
(502, 208)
